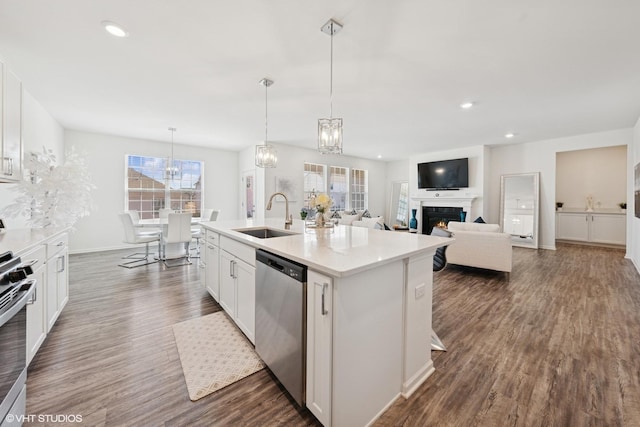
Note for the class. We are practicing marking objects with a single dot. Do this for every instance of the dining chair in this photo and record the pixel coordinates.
(196, 232)
(135, 217)
(136, 237)
(164, 212)
(178, 231)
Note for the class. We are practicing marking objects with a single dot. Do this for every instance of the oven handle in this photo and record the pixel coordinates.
(19, 303)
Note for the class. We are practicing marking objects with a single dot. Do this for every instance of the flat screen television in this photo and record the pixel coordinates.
(444, 174)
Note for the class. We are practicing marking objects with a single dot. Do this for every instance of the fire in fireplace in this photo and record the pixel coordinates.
(438, 216)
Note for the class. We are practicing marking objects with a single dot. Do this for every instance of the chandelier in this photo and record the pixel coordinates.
(266, 154)
(171, 169)
(330, 130)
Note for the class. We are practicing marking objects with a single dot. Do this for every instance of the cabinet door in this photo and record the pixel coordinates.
(246, 298)
(608, 228)
(572, 226)
(227, 283)
(62, 280)
(319, 350)
(36, 313)
(11, 167)
(51, 292)
(212, 276)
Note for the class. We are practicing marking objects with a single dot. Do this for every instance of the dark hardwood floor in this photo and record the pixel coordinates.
(558, 344)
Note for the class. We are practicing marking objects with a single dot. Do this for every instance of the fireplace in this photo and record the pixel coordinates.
(433, 215)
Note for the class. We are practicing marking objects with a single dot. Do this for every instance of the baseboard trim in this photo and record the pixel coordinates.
(416, 380)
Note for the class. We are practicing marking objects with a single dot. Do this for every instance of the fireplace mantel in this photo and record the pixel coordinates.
(444, 199)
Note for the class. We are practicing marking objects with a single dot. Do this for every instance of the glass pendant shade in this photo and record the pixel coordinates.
(266, 156)
(330, 136)
(172, 171)
(330, 130)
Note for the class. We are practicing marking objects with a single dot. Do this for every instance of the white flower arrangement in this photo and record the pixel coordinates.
(322, 202)
(53, 195)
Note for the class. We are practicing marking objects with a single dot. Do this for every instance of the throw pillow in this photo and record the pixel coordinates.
(347, 219)
(440, 232)
(336, 215)
(480, 220)
(440, 258)
(366, 214)
(353, 212)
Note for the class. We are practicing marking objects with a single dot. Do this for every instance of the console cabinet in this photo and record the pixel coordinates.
(591, 227)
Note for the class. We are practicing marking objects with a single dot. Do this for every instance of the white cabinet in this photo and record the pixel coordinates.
(319, 352)
(608, 228)
(227, 284)
(594, 227)
(212, 264)
(36, 311)
(572, 226)
(10, 126)
(237, 282)
(57, 289)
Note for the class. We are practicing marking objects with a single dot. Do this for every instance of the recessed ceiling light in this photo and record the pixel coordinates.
(115, 29)
(466, 105)
(509, 135)
(379, 156)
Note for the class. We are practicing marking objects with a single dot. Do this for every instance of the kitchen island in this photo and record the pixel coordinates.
(368, 308)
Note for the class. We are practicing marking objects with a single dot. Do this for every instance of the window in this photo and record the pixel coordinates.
(314, 180)
(148, 188)
(359, 191)
(338, 187)
(347, 187)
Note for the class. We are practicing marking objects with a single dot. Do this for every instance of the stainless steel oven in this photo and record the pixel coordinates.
(16, 291)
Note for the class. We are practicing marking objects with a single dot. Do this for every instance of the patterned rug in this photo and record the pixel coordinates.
(213, 353)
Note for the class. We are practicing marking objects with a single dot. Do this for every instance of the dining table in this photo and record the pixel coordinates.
(172, 250)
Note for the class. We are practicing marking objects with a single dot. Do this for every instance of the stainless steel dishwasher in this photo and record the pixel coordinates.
(281, 295)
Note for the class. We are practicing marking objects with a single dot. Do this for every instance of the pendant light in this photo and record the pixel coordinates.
(172, 169)
(266, 154)
(330, 130)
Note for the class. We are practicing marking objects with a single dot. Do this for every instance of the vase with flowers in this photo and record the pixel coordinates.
(321, 203)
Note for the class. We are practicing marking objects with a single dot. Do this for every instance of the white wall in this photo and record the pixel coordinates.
(105, 156)
(540, 156)
(599, 172)
(39, 130)
(477, 180)
(291, 164)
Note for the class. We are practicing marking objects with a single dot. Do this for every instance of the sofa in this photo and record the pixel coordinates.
(479, 245)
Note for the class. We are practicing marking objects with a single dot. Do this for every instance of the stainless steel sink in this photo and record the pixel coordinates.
(264, 233)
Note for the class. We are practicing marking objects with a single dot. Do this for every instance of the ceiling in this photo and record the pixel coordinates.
(402, 68)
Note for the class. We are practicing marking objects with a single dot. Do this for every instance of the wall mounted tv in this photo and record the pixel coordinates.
(444, 175)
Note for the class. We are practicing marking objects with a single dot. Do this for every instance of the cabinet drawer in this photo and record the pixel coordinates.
(244, 252)
(213, 238)
(57, 244)
(39, 254)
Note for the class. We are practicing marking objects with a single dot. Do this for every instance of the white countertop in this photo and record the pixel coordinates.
(20, 240)
(338, 252)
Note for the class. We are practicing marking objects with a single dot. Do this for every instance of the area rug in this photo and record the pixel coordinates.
(213, 353)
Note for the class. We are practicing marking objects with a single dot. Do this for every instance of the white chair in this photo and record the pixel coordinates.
(136, 237)
(178, 231)
(135, 217)
(196, 232)
(164, 212)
